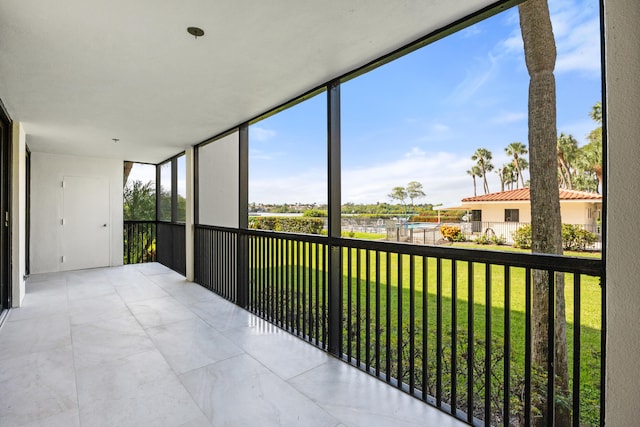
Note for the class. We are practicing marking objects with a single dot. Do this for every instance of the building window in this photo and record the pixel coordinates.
(511, 215)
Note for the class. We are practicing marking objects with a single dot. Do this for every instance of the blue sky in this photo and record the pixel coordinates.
(421, 117)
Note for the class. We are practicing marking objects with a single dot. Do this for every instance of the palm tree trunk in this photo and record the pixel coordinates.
(540, 56)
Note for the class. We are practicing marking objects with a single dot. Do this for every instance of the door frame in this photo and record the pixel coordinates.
(5, 209)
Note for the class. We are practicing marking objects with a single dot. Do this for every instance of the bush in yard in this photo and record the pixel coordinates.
(574, 237)
(522, 237)
(482, 240)
(497, 240)
(451, 233)
(287, 224)
(315, 213)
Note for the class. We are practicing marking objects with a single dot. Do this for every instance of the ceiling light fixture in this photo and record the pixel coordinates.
(195, 32)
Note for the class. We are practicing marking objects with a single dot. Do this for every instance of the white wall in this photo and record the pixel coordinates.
(572, 212)
(47, 171)
(18, 213)
(188, 225)
(218, 169)
(622, 34)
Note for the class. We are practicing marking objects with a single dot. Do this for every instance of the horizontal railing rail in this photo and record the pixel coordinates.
(139, 239)
(453, 327)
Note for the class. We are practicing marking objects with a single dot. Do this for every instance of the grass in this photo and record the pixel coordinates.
(363, 235)
(420, 289)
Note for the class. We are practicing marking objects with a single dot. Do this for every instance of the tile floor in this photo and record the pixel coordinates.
(140, 346)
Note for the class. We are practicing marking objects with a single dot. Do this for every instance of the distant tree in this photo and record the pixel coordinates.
(414, 191)
(567, 149)
(592, 152)
(139, 201)
(596, 112)
(483, 158)
(515, 150)
(474, 172)
(399, 194)
(507, 175)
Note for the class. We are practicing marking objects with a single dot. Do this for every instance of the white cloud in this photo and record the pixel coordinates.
(443, 175)
(260, 134)
(475, 79)
(509, 117)
(579, 49)
(576, 29)
(306, 187)
(472, 31)
(440, 127)
(255, 154)
(513, 43)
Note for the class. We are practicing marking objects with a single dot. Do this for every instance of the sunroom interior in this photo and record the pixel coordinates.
(87, 87)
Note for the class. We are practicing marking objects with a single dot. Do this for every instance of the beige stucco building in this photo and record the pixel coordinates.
(577, 207)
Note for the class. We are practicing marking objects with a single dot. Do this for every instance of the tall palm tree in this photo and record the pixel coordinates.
(483, 158)
(474, 172)
(540, 58)
(515, 150)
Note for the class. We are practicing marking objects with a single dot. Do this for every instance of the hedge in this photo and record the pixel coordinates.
(304, 225)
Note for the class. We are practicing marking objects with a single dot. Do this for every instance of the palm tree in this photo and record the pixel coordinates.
(483, 157)
(474, 172)
(596, 112)
(593, 150)
(567, 151)
(540, 58)
(510, 175)
(515, 150)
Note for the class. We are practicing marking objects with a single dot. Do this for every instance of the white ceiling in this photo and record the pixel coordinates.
(78, 73)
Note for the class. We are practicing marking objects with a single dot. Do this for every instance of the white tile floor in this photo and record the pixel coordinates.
(140, 346)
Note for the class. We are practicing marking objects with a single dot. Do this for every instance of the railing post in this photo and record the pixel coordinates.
(335, 251)
(242, 255)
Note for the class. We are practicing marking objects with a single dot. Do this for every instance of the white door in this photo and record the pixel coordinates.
(85, 223)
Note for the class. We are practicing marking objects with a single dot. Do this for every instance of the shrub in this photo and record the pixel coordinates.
(315, 213)
(497, 240)
(482, 240)
(522, 237)
(287, 224)
(574, 238)
(451, 233)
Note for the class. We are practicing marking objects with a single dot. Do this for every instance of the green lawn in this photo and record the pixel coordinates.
(363, 235)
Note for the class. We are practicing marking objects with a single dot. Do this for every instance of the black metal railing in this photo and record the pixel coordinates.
(215, 263)
(171, 246)
(288, 282)
(452, 327)
(139, 242)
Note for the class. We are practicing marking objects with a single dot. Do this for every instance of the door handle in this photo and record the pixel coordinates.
(104, 225)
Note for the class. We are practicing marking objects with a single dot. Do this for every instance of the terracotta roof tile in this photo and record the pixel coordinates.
(522, 194)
